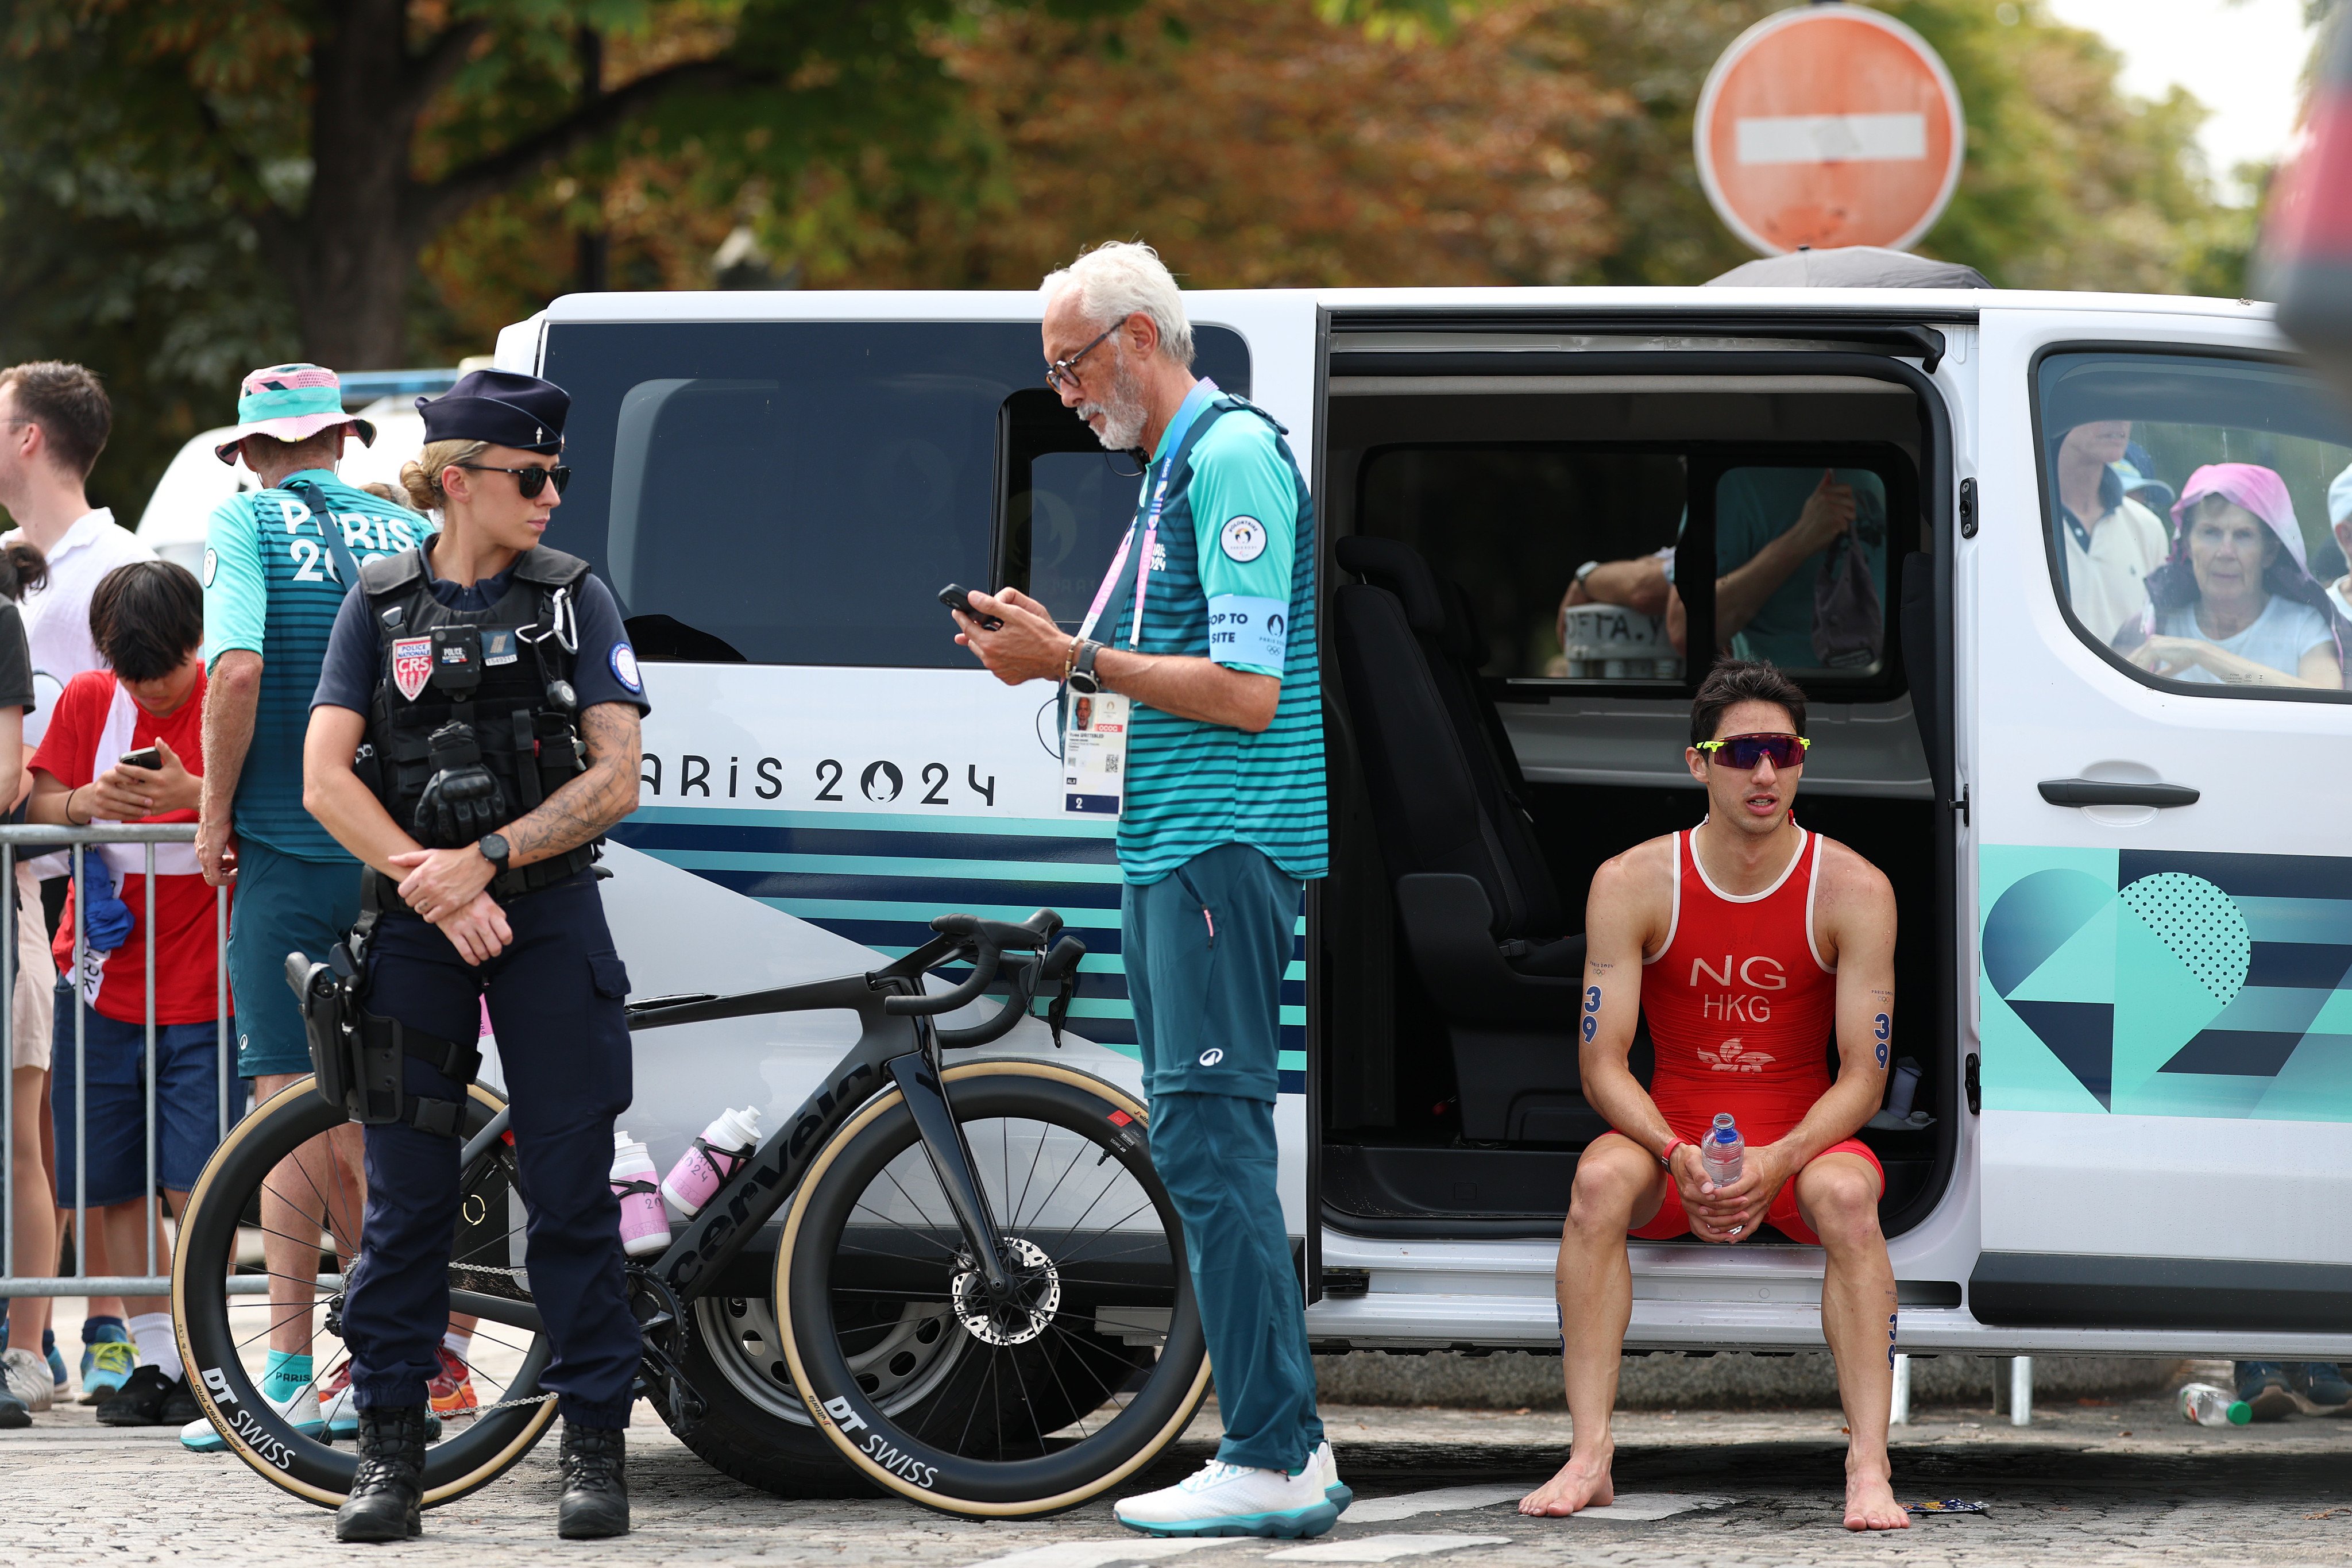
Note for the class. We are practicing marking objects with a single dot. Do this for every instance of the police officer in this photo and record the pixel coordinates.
(474, 734)
(1206, 625)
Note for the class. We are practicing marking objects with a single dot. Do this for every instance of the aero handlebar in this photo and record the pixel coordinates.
(986, 941)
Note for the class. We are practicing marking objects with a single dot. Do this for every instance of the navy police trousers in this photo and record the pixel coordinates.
(555, 996)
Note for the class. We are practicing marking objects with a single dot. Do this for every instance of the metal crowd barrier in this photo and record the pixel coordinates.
(157, 1280)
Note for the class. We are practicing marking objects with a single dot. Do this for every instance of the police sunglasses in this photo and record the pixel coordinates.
(1063, 373)
(530, 481)
(1746, 751)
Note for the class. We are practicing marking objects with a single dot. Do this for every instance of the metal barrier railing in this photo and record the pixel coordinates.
(157, 1280)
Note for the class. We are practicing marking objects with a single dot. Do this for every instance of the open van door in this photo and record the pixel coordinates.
(2163, 894)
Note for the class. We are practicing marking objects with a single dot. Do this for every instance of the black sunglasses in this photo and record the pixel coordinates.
(1065, 370)
(530, 481)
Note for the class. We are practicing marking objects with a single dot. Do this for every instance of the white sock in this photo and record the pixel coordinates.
(151, 1333)
(459, 1345)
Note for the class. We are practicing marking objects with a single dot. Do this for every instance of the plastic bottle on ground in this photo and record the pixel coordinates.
(1723, 1150)
(718, 1154)
(645, 1224)
(2210, 1406)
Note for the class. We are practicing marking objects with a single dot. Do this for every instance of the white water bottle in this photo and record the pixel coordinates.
(1723, 1150)
(2210, 1406)
(645, 1224)
(718, 1154)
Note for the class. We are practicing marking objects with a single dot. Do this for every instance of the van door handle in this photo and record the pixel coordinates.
(2108, 791)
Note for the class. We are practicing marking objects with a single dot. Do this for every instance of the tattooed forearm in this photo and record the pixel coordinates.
(590, 804)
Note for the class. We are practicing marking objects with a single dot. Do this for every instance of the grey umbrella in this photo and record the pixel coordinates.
(1851, 266)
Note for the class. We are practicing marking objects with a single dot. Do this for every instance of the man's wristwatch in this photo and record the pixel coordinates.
(494, 849)
(1083, 677)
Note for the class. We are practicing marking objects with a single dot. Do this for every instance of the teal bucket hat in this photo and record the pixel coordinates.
(289, 403)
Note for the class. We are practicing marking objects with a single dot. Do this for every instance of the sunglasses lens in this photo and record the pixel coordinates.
(562, 478)
(1746, 751)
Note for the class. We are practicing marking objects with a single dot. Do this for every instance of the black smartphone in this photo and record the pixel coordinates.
(145, 757)
(955, 597)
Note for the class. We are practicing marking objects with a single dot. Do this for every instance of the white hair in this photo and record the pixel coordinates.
(1119, 278)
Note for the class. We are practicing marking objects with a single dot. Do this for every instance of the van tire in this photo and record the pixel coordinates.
(750, 1434)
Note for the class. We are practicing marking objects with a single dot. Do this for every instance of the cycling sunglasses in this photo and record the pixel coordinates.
(1746, 751)
(530, 481)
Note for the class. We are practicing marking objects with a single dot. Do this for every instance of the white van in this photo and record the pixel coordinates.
(2126, 901)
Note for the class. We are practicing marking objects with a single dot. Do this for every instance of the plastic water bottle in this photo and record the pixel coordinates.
(2210, 1406)
(645, 1224)
(718, 1154)
(1723, 1150)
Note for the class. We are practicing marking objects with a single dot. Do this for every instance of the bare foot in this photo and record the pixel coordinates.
(1869, 1502)
(1582, 1482)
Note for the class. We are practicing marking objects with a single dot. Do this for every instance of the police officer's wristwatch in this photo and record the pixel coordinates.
(1083, 677)
(493, 846)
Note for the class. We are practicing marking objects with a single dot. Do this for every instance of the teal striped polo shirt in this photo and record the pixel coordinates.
(1233, 579)
(272, 587)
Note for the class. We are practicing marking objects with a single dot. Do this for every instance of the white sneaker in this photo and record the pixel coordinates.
(301, 1412)
(1327, 1468)
(26, 1376)
(1235, 1499)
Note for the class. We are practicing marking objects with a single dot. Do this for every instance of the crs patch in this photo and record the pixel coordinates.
(1243, 539)
(412, 664)
(624, 666)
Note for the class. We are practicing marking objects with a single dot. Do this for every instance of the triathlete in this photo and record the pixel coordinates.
(1750, 937)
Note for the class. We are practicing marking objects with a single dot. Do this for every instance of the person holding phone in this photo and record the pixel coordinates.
(126, 744)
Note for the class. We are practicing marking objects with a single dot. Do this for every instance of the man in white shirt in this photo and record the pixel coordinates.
(2108, 542)
(54, 422)
(2339, 517)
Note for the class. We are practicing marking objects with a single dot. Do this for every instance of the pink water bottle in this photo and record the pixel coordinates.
(645, 1224)
(718, 1154)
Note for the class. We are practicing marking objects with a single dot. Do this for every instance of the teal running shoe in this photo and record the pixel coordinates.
(106, 1366)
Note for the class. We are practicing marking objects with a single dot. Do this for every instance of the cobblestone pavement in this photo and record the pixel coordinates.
(2084, 1485)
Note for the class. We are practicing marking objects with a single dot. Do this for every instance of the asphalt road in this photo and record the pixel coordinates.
(2084, 1485)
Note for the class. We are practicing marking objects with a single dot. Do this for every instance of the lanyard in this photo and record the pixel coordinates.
(1194, 401)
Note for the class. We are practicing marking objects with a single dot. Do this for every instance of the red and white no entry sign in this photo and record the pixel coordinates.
(1829, 125)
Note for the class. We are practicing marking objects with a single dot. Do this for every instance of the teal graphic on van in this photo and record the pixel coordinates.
(2166, 984)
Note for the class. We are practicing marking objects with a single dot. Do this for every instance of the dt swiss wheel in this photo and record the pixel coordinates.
(294, 1161)
(1039, 1400)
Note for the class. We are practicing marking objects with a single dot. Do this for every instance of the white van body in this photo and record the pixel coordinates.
(800, 815)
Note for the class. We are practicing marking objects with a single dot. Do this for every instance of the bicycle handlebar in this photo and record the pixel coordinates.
(988, 941)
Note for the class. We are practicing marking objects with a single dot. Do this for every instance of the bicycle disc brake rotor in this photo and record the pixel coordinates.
(1025, 1309)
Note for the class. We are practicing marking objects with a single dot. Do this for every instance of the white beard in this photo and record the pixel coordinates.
(1121, 410)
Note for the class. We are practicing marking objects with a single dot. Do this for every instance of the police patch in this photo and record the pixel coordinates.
(412, 664)
(624, 666)
(1243, 539)
(212, 567)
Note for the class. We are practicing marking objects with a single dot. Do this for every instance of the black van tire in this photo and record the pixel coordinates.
(1173, 1385)
(315, 1471)
(752, 1435)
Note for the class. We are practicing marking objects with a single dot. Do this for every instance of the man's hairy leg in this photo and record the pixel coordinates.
(1838, 1194)
(320, 1185)
(1618, 1186)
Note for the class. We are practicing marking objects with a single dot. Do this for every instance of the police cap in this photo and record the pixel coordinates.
(501, 407)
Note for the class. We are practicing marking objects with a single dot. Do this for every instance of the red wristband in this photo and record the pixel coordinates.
(1666, 1156)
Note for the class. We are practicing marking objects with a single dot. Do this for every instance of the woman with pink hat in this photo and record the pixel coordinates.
(2235, 604)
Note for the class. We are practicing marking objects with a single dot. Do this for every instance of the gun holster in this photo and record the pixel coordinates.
(360, 1058)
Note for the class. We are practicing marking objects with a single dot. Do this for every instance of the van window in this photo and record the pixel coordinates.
(795, 492)
(2195, 509)
(1575, 560)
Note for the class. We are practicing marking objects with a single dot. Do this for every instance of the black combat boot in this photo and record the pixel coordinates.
(382, 1504)
(595, 1488)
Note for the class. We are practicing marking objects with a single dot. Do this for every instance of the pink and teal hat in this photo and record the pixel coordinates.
(290, 402)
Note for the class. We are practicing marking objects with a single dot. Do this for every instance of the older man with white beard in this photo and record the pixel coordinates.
(1204, 737)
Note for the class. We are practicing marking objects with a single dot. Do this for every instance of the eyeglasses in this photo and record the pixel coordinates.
(1746, 751)
(530, 481)
(1064, 372)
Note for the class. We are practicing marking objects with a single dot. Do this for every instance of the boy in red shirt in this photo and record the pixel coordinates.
(147, 618)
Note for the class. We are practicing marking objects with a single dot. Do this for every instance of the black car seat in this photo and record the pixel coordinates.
(1482, 917)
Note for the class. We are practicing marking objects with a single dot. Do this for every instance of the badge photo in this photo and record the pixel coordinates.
(1243, 539)
(412, 664)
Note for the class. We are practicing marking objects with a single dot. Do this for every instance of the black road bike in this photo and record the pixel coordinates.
(979, 1297)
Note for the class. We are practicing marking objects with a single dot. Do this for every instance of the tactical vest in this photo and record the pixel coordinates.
(524, 709)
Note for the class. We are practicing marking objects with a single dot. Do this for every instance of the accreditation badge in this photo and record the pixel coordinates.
(1094, 753)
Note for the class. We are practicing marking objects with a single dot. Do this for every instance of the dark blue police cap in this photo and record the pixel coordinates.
(501, 407)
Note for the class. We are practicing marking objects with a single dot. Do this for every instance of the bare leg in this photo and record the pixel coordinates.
(1838, 1195)
(121, 1231)
(1618, 1186)
(322, 1183)
(33, 1203)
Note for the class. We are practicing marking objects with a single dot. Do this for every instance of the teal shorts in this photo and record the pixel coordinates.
(1206, 947)
(283, 905)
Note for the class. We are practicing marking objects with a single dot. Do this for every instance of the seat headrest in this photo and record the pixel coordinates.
(1399, 568)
